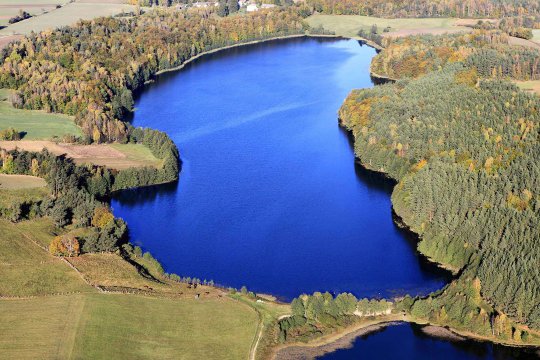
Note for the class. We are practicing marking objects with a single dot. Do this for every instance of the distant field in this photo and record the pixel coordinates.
(36, 124)
(349, 25)
(530, 86)
(116, 156)
(102, 326)
(13, 182)
(26, 269)
(67, 15)
(10, 8)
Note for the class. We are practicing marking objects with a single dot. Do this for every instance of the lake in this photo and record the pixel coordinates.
(269, 195)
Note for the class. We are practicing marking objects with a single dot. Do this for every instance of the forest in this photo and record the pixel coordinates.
(486, 51)
(91, 70)
(427, 8)
(464, 148)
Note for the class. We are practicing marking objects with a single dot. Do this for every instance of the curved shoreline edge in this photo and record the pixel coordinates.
(345, 338)
(270, 39)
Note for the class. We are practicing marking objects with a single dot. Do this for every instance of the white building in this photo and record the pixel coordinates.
(252, 7)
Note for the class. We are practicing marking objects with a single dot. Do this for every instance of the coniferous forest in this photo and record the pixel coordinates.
(463, 145)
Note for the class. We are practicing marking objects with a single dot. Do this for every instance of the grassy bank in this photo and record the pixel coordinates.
(35, 124)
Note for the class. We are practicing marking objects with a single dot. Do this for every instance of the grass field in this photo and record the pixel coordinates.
(530, 86)
(7, 196)
(36, 124)
(67, 15)
(349, 25)
(107, 326)
(84, 323)
(10, 8)
(28, 270)
(15, 182)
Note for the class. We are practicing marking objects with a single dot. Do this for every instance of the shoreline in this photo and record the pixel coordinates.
(344, 338)
(254, 42)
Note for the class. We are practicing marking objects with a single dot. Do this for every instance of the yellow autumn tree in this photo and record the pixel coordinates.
(102, 217)
(64, 245)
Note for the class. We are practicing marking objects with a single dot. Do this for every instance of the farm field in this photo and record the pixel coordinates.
(104, 326)
(10, 8)
(12, 182)
(66, 318)
(66, 15)
(35, 124)
(115, 156)
(349, 25)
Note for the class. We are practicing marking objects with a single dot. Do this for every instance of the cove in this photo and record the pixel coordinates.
(269, 194)
(410, 342)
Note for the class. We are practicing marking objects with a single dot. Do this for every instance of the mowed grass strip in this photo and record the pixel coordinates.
(15, 182)
(115, 326)
(36, 124)
(28, 270)
(349, 25)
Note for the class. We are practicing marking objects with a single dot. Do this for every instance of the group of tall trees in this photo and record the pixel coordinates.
(463, 144)
(75, 198)
(321, 312)
(91, 70)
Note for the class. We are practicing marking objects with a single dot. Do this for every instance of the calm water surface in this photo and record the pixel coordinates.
(408, 341)
(269, 195)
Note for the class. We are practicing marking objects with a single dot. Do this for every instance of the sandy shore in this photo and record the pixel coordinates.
(311, 352)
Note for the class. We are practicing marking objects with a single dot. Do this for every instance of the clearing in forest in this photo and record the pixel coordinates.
(14, 182)
(35, 124)
(529, 86)
(349, 25)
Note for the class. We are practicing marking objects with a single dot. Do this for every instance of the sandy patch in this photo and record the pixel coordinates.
(442, 333)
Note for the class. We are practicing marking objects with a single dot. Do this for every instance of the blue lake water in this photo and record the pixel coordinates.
(269, 195)
(408, 341)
